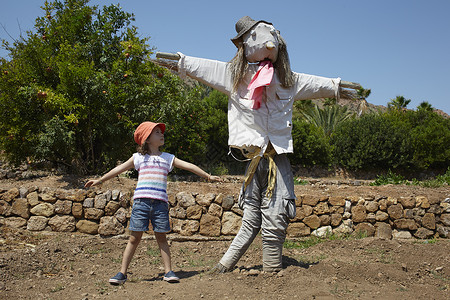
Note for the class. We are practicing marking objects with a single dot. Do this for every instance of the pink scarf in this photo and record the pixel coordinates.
(262, 78)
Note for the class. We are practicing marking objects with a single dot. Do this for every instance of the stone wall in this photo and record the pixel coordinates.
(108, 212)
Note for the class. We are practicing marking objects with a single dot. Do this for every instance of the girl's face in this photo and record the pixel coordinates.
(156, 138)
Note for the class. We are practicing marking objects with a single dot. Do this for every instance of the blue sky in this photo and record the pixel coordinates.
(393, 47)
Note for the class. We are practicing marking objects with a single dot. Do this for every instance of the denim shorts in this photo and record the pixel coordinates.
(145, 210)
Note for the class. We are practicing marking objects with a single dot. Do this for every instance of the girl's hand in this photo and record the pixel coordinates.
(214, 178)
(93, 182)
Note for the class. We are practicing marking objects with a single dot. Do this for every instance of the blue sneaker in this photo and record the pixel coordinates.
(171, 277)
(118, 279)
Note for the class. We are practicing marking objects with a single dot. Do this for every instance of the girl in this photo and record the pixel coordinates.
(150, 200)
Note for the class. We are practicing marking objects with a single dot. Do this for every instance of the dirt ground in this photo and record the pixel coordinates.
(50, 265)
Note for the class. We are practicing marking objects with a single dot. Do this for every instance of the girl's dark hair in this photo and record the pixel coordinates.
(144, 148)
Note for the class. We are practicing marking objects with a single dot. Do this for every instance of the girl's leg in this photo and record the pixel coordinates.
(133, 242)
(164, 250)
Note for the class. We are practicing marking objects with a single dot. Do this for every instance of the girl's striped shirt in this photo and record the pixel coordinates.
(153, 171)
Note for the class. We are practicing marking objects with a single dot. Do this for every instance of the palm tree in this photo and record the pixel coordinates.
(361, 95)
(399, 103)
(425, 106)
(327, 118)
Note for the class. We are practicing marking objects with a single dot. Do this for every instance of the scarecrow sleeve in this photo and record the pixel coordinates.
(315, 87)
(213, 73)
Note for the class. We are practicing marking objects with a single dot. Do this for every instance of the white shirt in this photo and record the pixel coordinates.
(273, 120)
(153, 171)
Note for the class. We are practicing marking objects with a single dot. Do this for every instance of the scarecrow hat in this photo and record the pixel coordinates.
(144, 130)
(243, 25)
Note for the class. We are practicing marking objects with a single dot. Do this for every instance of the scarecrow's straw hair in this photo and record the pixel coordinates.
(239, 65)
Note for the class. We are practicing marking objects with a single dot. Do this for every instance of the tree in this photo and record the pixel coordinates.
(399, 103)
(425, 106)
(327, 118)
(87, 73)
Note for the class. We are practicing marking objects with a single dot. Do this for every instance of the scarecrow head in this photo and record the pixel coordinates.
(259, 41)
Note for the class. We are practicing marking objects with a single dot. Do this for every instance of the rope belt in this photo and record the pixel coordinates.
(269, 154)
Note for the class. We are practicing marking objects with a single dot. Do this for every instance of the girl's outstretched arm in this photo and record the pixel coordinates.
(181, 164)
(129, 164)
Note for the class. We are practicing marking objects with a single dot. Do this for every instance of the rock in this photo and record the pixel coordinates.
(312, 221)
(219, 199)
(194, 212)
(310, 200)
(321, 208)
(109, 225)
(366, 229)
(48, 197)
(121, 215)
(395, 211)
(348, 206)
(179, 212)
(33, 198)
(10, 195)
(359, 213)
(227, 202)
(445, 219)
(77, 210)
(15, 222)
(383, 204)
(325, 220)
(88, 227)
(93, 213)
(423, 233)
(405, 224)
(185, 199)
(100, 201)
(302, 212)
(115, 195)
(336, 219)
(77, 196)
(401, 234)
(231, 223)
(383, 231)
(43, 209)
(381, 216)
(237, 210)
(298, 229)
(408, 202)
(111, 208)
(443, 231)
(37, 223)
(5, 209)
(20, 207)
(63, 207)
(62, 223)
(435, 209)
(429, 221)
(445, 207)
(322, 231)
(371, 206)
(88, 203)
(125, 199)
(210, 225)
(215, 210)
(172, 200)
(422, 202)
(336, 201)
(189, 227)
(23, 192)
(345, 228)
(205, 200)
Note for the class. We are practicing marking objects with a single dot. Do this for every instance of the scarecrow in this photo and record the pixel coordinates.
(261, 89)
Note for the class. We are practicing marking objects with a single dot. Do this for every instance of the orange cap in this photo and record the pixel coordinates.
(144, 130)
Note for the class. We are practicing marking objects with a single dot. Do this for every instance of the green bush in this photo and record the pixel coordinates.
(311, 146)
(372, 141)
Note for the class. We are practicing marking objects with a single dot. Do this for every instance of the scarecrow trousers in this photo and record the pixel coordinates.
(261, 213)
